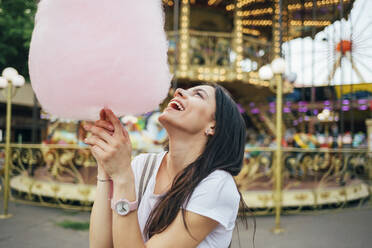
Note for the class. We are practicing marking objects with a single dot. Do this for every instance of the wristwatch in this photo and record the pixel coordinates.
(123, 206)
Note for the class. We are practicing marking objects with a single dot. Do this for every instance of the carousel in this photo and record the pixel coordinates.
(327, 97)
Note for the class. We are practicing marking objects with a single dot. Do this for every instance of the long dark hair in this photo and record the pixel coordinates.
(224, 151)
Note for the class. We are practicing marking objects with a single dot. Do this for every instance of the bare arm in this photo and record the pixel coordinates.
(100, 230)
(176, 234)
(126, 230)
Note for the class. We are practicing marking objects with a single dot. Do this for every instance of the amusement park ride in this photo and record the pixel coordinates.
(226, 42)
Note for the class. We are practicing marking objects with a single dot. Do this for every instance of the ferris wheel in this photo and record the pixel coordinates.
(340, 54)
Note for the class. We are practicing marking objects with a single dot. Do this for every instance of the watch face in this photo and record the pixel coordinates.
(122, 207)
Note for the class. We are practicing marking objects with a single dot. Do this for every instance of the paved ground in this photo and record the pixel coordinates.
(342, 229)
(35, 227)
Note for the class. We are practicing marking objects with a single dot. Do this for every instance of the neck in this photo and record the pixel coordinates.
(183, 150)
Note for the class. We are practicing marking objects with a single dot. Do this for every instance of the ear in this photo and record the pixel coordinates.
(212, 131)
(212, 128)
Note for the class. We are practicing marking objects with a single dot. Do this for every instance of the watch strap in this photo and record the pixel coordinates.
(133, 205)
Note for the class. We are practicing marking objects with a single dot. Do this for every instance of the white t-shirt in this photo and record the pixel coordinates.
(215, 197)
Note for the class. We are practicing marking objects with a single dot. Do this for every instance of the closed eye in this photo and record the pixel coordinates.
(200, 92)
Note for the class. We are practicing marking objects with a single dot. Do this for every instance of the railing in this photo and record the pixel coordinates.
(65, 176)
(52, 175)
(212, 56)
(311, 178)
(256, 53)
(211, 49)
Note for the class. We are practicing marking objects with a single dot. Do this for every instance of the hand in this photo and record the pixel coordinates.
(105, 124)
(112, 149)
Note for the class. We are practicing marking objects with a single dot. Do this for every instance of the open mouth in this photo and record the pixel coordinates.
(176, 105)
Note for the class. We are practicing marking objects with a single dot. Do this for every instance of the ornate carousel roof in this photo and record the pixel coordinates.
(299, 16)
(228, 41)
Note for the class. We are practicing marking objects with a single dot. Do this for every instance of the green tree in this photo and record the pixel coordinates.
(16, 25)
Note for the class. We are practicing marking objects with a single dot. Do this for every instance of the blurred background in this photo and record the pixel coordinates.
(300, 71)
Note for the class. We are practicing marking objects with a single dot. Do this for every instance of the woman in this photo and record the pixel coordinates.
(191, 199)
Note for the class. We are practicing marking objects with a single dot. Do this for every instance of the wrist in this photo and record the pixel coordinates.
(124, 187)
(123, 181)
(102, 174)
(124, 177)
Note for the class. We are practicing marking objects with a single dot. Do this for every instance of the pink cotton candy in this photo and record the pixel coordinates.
(90, 54)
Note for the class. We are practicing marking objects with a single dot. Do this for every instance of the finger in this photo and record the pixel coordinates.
(87, 123)
(125, 132)
(88, 127)
(105, 124)
(101, 133)
(115, 121)
(94, 140)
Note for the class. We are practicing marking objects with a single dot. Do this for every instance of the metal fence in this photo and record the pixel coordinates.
(311, 179)
(314, 179)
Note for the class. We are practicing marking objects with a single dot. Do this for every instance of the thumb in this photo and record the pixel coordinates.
(114, 121)
(102, 114)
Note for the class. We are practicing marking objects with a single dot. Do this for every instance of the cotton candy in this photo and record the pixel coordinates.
(90, 54)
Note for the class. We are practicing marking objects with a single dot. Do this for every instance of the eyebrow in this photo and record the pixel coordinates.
(199, 89)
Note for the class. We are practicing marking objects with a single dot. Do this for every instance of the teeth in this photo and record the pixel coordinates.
(178, 105)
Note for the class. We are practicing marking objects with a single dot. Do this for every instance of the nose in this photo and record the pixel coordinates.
(180, 92)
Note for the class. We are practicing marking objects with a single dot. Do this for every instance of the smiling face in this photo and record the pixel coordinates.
(191, 111)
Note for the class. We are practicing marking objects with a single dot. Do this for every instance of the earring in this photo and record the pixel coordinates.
(207, 132)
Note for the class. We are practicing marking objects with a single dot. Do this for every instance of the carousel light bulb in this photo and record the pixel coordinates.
(265, 72)
(9, 73)
(326, 113)
(3, 82)
(278, 65)
(291, 77)
(18, 81)
(321, 117)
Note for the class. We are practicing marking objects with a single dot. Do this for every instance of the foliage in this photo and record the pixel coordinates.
(81, 226)
(16, 25)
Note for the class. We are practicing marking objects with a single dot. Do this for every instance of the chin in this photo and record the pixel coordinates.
(162, 117)
(167, 120)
